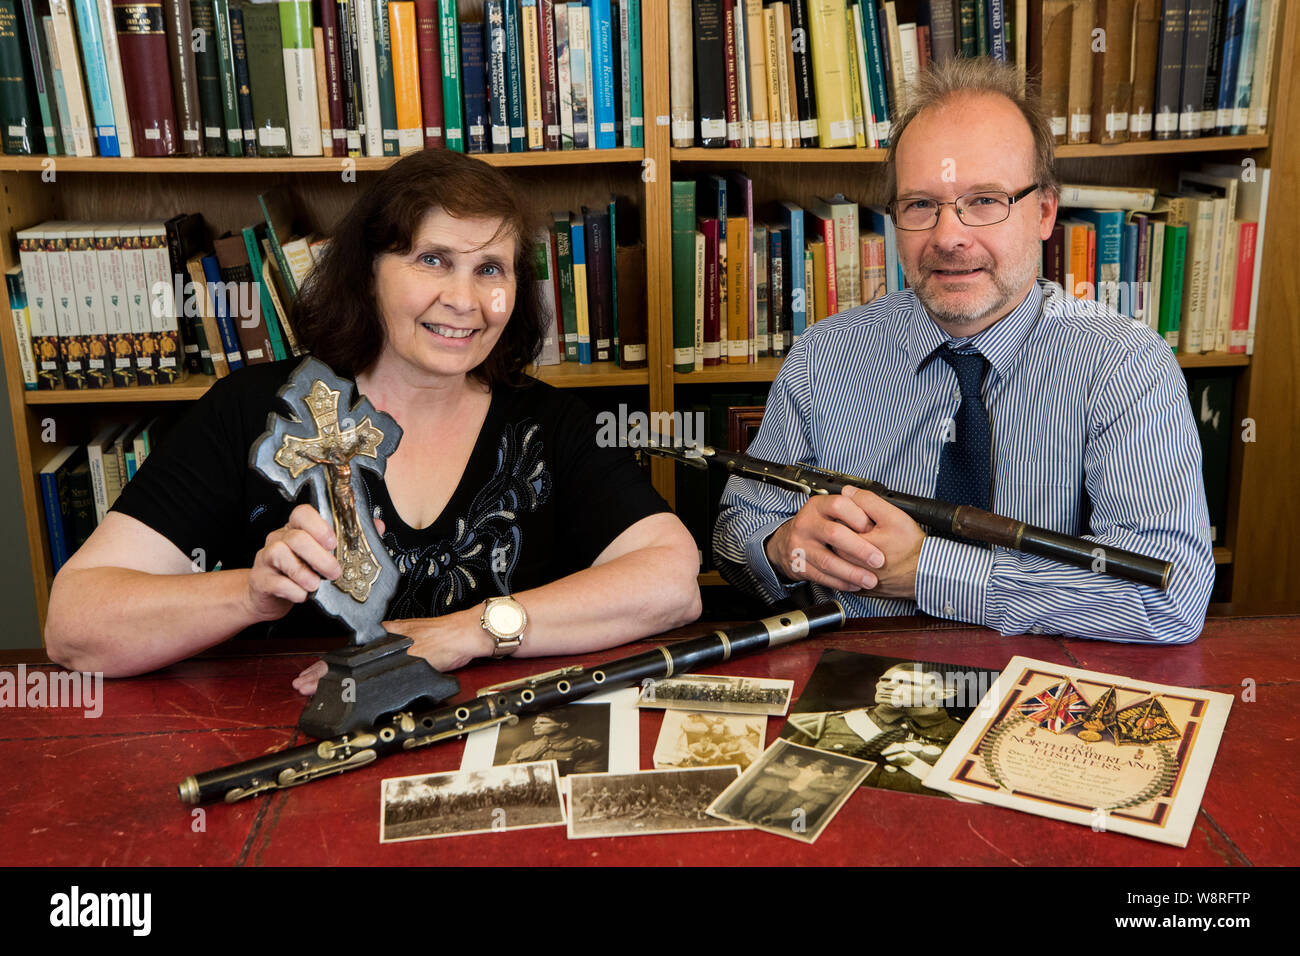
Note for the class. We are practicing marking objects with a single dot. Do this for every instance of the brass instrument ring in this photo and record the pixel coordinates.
(598, 677)
(527, 696)
(462, 713)
(387, 734)
(563, 687)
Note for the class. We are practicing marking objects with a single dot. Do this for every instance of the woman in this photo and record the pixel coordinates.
(426, 298)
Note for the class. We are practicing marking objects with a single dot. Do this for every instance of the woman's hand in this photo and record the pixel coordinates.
(291, 564)
(448, 642)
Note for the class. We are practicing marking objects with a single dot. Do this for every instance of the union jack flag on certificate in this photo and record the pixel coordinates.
(1057, 708)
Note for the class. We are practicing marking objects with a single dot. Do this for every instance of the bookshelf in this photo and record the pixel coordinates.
(1260, 561)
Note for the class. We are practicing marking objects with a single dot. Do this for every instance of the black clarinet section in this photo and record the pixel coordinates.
(943, 517)
(502, 704)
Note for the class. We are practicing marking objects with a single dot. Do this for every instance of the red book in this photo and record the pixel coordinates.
(430, 46)
(546, 47)
(1054, 256)
(922, 47)
(712, 303)
(729, 58)
(329, 23)
(1092, 264)
(1241, 292)
(146, 73)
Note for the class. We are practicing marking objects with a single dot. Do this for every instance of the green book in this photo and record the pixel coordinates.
(683, 246)
(20, 111)
(453, 113)
(43, 75)
(384, 67)
(982, 43)
(966, 27)
(226, 75)
(207, 73)
(266, 76)
(564, 269)
(254, 248)
(1171, 283)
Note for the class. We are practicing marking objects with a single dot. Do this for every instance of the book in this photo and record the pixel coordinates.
(142, 40)
(245, 115)
(383, 44)
(1196, 55)
(267, 77)
(22, 325)
(1057, 26)
(1112, 84)
(600, 291)
(582, 316)
(58, 509)
(516, 118)
(302, 103)
(681, 66)
(1146, 50)
(449, 36)
(90, 33)
(185, 90)
(406, 76)
(1086, 721)
(831, 77)
(1079, 96)
(473, 79)
(40, 308)
(207, 75)
(683, 252)
(1169, 78)
(430, 69)
(81, 132)
(544, 275)
(217, 355)
(332, 41)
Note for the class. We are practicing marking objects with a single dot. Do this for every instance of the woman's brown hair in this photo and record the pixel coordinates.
(336, 315)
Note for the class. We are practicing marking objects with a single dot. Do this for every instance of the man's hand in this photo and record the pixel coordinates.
(898, 537)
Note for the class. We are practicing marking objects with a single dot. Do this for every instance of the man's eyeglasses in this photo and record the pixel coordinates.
(918, 213)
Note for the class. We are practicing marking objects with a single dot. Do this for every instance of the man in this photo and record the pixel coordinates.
(983, 385)
(553, 741)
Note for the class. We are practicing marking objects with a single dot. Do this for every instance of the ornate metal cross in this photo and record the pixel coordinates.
(319, 449)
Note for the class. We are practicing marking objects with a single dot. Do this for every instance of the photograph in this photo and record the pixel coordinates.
(724, 695)
(517, 797)
(898, 713)
(689, 739)
(597, 735)
(651, 801)
(791, 791)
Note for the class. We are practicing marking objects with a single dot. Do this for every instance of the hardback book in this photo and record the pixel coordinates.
(384, 71)
(756, 57)
(567, 295)
(283, 342)
(1169, 78)
(473, 77)
(64, 52)
(710, 78)
(1262, 82)
(1079, 97)
(1196, 54)
(544, 274)
(831, 76)
(322, 92)
(166, 364)
(430, 50)
(792, 219)
(187, 235)
(534, 122)
(1112, 85)
(90, 33)
(72, 346)
(1108, 197)
(20, 107)
(207, 78)
(683, 252)
(1146, 50)
(824, 260)
(563, 76)
(498, 90)
(908, 53)
(739, 129)
(406, 75)
(335, 116)
(516, 110)
(267, 78)
(142, 41)
(580, 77)
(578, 245)
(699, 299)
(214, 289)
(820, 298)
(139, 299)
(304, 122)
(682, 37)
(243, 302)
(891, 48)
(1213, 64)
(113, 69)
(602, 75)
(33, 37)
(709, 228)
(245, 115)
(350, 75)
(600, 290)
(58, 508)
(804, 95)
(214, 344)
(762, 326)
(185, 87)
(550, 80)
(943, 37)
(453, 122)
(1246, 68)
(633, 330)
(737, 279)
(368, 79)
(778, 302)
(864, 120)
(778, 16)
(869, 34)
(223, 22)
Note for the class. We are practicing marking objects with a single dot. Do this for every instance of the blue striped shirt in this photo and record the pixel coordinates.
(1092, 435)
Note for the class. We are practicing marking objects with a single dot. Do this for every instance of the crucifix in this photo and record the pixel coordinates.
(317, 449)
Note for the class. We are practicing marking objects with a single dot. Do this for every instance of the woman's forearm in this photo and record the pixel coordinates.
(123, 622)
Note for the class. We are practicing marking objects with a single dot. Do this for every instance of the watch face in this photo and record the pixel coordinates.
(505, 618)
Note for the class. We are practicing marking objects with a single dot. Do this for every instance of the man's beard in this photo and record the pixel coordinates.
(1008, 288)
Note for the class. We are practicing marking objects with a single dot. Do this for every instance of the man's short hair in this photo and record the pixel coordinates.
(943, 81)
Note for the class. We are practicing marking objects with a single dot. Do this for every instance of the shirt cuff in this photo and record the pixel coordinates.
(952, 579)
(761, 567)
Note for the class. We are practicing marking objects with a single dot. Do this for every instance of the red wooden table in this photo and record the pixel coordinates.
(80, 791)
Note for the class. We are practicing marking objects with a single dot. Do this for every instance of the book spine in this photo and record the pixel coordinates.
(262, 293)
(20, 110)
(164, 358)
(805, 97)
(473, 78)
(1262, 83)
(583, 317)
(498, 94)
(430, 54)
(1246, 69)
(564, 275)
(368, 78)
(112, 275)
(236, 136)
(1079, 98)
(449, 37)
(207, 77)
(681, 72)
(1146, 47)
(84, 138)
(185, 90)
(322, 92)
(22, 326)
(1245, 271)
(96, 74)
(516, 110)
(550, 74)
(1213, 65)
(712, 288)
(1196, 52)
(406, 76)
(876, 65)
(710, 83)
(831, 73)
(265, 51)
(534, 124)
(1171, 284)
(142, 38)
(683, 248)
(300, 77)
(116, 82)
(1169, 79)
(335, 97)
(349, 76)
(1112, 89)
(247, 116)
(216, 290)
(602, 73)
(42, 77)
(633, 74)
(384, 71)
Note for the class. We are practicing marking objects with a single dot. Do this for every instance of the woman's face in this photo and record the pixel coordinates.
(446, 302)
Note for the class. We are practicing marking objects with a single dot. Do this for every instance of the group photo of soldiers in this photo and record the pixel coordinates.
(646, 802)
(500, 798)
(726, 694)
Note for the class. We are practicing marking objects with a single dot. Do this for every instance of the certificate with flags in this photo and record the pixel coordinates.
(1101, 750)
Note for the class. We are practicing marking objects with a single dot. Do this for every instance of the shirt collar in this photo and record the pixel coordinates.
(1001, 343)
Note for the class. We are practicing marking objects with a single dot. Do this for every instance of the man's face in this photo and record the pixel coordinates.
(968, 277)
(901, 687)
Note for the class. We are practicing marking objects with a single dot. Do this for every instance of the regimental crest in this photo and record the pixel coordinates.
(1100, 718)
(1057, 708)
(1146, 722)
(323, 445)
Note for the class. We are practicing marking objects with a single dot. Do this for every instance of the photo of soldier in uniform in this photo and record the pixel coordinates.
(475, 801)
(724, 695)
(792, 791)
(900, 714)
(576, 737)
(689, 739)
(653, 801)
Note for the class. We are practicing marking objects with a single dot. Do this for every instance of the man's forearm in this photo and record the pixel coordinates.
(125, 622)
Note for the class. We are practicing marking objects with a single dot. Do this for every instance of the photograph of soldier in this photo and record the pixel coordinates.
(473, 801)
(653, 801)
(576, 737)
(689, 739)
(727, 695)
(899, 714)
(791, 790)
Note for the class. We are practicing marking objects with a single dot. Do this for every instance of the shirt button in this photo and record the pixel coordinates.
(948, 609)
(956, 396)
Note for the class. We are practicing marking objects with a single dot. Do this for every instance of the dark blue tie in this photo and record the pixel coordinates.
(964, 463)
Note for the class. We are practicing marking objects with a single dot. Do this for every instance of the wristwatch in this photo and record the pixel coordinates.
(505, 619)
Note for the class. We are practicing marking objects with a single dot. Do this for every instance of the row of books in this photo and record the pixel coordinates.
(1187, 264)
(81, 482)
(104, 305)
(318, 77)
(832, 73)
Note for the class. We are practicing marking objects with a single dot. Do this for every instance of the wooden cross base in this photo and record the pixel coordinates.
(366, 682)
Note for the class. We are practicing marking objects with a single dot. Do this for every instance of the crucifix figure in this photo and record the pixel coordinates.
(318, 449)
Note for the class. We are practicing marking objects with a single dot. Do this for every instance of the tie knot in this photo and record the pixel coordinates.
(969, 367)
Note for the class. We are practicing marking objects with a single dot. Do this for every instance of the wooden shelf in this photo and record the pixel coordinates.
(1223, 556)
(1200, 144)
(299, 164)
(1214, 360)
(193, 387)
(595, 375)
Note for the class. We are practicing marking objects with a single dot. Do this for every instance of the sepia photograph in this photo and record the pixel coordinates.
(651, 801)
(898, 713)
(724, 695)
(597, 735)
(517, 797)
(688, 739)
(792, 791)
